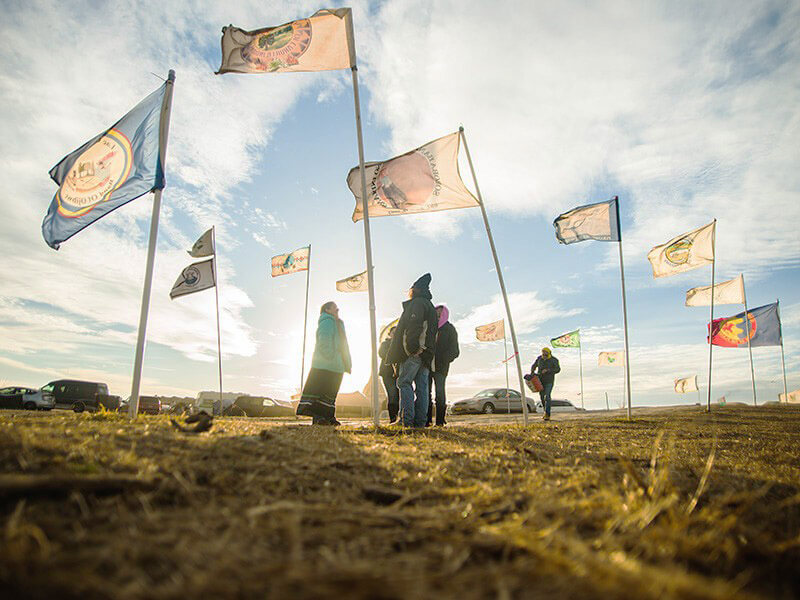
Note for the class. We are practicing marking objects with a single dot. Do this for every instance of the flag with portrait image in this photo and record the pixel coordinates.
(765, 328)
(597, 221)
(687, 384)
(491, 332)
(354, 283)
(727, 292)
(318, 43)
(284, 264)
(688, 251)
(568, 340)
(423, 180)
(119, 165)
(610, 359)
(194, 278)
(204, 246)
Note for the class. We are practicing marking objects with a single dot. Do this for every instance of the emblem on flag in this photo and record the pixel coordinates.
(610, 359)
(354, 283)
(765, 328)
(194, 278)
(568, 340)
(683, 253)
(284, 264)
(491, 332)
(278, 48)
(687, 384)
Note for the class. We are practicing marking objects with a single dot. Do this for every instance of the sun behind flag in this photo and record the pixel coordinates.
(688, 251)
(591, 222)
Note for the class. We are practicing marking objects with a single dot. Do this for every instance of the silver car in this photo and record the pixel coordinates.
(559, 406)
(27, 398)
(493, 400)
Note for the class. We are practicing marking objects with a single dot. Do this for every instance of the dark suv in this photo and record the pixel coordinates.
(81, 395)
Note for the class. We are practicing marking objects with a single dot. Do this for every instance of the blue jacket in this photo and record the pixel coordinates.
(331, 352)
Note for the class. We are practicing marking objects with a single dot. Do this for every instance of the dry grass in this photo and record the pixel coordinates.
(673, 505)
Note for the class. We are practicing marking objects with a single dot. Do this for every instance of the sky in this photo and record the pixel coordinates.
(687, 111)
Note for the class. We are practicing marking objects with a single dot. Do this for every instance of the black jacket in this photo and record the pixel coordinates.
(547, 369)
(386, 369)
(416, 330)
(446, 348)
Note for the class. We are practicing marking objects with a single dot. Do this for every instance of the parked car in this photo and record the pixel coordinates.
(493, 400)
(559, 406)
(81, 395)
(27, 398)
(261, 406)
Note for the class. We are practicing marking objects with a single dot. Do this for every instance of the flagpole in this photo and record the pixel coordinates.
(351, 43)
(711, 324)
(749, 347)
(305, 322)
(216, 295)
(500, 278)
(624, 311)
(580, 365)
(783, 356)
(505, 350)
(166, 108)
(607, 406)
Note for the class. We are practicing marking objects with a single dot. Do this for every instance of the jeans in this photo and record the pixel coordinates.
(436, 381)
(392, 396)
(413, 401)
(547, 389)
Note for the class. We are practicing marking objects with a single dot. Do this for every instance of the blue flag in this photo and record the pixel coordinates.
(598, 221)
(765, 328)
(110, 170)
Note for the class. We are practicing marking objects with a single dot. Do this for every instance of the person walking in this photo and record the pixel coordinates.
(412, 349)
(446, 351)
(388, 373)
(547, 366)
(330, 361)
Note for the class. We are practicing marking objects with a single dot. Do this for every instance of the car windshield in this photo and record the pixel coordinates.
(7, 391)
(48, 388)
(486, 393)
(268, 402)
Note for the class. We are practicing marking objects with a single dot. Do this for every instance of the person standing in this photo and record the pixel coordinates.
(446, 352)
(547, 366)
(330, 361)
(412, 349)
(388, 373)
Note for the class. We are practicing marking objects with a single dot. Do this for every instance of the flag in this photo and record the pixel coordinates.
(318, 43)
(591, 222)
(610, 359)
(194, 278)
(684, 253)
(688, 384)
(423, 180)
(727, 292)
(722, 401)
(113, 168)
(491, 332)
(283, 264)
(204, 246)
(386, 329)
(568, 340)
(794, 397)
(354, 283)
(765, 328)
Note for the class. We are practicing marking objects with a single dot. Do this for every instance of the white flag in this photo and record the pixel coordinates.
(423, 180)
(591, 222)
(284, 264)
(354, 283)
(492, 331)
(794, 397)
(727, 292)
(688, 384)
(683, 253)
(611, 359)
(204, 246)
(194, 278)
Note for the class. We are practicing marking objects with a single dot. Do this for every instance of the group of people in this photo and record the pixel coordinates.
(415, 360)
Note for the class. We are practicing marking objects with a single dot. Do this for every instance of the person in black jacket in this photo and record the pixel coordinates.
(388, 373)
(412, 349)
(548, 367)
(445, 353)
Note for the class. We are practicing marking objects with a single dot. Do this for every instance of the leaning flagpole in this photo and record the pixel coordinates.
(351, 44)
(711, 323)
(580, 365)
(749, 347)
(783, 356)
(305, 322)
(624, 312)
(166, 108)
(500, 278)
(216, 295)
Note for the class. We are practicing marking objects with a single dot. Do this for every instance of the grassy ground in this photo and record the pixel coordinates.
(676, 504)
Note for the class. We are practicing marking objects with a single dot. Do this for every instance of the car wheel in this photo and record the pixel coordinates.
(78, 407)
(29, 406)
(488, 408)
(531, 409)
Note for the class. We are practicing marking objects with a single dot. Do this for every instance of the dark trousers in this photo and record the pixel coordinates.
(392, 396)
(437, 381)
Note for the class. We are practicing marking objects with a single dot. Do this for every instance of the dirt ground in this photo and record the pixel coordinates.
(675, 504)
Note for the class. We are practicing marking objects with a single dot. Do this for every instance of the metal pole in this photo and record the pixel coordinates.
(749, 347)
(365, 208)
(711, 323)
(580, 367)
(216, 294)
(166, 108)
(505, 351)
(607, 406)
(783, 356)
(305, 322)
(500, 278)
(624, 312)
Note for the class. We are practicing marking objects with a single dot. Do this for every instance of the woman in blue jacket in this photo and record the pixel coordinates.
(330, 362)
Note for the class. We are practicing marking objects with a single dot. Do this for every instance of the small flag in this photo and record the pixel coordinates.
(591, 222)
(110, 170)
(386, 329)
(284, 264)
(727, 292)
(204, 246)
(194, 278)
(611, 359)
(688, 384)
(722, 401)
(794, 397)
(423, 180)
(686, 252)
(318, 43)
(568, 340)
(765, 328)
(354, 283)
(491, 332)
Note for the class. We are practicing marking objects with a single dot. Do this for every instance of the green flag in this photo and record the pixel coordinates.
(568, 340)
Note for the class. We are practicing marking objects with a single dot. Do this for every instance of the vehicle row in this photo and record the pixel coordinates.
(505, 400)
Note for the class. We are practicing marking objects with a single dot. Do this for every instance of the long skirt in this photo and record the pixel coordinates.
(319, 394)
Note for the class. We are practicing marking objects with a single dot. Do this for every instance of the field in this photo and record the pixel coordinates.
(675, 504)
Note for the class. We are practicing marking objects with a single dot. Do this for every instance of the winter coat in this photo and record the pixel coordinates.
(386, 369)
(548, 367)
(331, 352)
(416, 330)
(446, 348)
